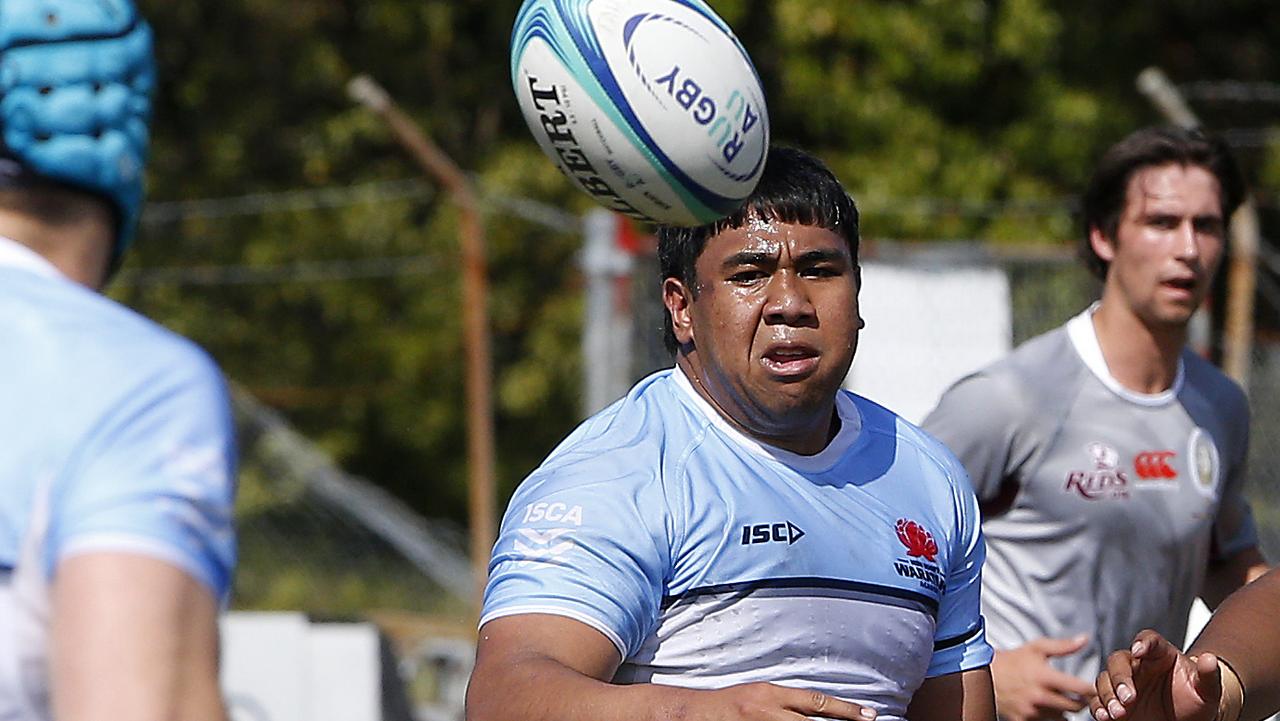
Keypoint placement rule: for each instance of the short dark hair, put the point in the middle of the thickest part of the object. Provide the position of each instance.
(1104, 199)
(795, 187)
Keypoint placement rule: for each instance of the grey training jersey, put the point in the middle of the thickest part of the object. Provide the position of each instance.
(1102, 508)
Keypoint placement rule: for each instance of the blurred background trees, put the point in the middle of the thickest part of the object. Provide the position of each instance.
(291, 237)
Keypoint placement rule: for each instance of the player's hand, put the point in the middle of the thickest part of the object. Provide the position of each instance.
(769, 702)
(1029, 689)
(1153, 681)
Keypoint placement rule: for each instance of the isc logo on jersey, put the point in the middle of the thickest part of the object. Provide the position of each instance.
(780, 532)
(651, 106)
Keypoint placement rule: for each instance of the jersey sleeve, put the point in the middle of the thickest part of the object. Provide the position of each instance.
(157, 476)
(980, 420)
(582, 547)
(1233, 527)
(960, 642)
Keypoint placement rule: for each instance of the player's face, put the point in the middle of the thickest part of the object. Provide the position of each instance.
(773, 323)
(1168, 243)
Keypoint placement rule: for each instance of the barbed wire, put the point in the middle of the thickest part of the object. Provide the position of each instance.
(1238, 91)
(535, 211)
(925, 206)
(1248, 137)
(310, 271)
(305, 199)
(545, 214)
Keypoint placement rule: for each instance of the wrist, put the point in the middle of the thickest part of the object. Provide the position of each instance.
(1231, 702)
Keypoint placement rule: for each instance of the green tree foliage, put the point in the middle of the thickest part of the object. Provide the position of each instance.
(932, 111)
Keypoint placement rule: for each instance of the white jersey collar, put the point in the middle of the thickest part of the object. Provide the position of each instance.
(850, 430)
(16, 255)
(1085, 339)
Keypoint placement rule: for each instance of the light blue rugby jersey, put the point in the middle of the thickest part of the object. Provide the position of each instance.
(710, 559)
(115, 435)
(121, 429)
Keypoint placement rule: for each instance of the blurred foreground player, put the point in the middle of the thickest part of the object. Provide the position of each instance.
(1230, 673)
(116, 443)
(738, 538)
(1109, 459)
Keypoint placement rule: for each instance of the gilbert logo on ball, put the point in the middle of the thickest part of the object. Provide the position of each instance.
(651, 106)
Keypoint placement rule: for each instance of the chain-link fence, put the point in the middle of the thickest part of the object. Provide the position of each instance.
(316, 539)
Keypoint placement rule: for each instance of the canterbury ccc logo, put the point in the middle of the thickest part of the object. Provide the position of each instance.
(918, 541)
(1154, 465)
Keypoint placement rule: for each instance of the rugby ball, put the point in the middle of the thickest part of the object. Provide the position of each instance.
(650, 106)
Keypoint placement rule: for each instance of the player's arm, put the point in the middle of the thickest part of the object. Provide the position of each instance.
(1153, 681)
(1226, 577)
(1244, 633)
(141, 548)
(962, 696)
(132, 637)
(539, 667)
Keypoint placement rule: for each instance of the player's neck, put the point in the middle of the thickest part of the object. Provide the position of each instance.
(81, 251)
(1142, 358)
(804, 439)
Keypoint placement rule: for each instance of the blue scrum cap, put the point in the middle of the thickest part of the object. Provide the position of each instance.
(75, 98)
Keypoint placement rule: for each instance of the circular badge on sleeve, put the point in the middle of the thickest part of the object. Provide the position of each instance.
(1204, 462)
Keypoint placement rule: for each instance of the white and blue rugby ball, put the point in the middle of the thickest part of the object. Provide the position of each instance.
(651, 106)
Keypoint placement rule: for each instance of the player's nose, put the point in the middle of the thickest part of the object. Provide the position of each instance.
(788, 302)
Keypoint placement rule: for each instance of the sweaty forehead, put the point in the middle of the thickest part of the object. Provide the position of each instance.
(1173, 188)
(771, 236)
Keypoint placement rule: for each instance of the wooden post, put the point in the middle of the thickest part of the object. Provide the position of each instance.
(479, 371)
(1242, 280)
(1242, 270)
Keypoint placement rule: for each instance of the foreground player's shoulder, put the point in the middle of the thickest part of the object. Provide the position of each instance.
(629, 451)
(152, 348)
(109, 367)
(925, 477)
(154, 463)
(125, 344)
(933, 460)
(589, 534)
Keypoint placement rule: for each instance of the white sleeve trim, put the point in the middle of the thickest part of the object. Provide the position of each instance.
(595, 623)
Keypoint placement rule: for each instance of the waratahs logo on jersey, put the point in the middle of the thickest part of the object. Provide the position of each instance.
(919, 542)
(922, 552)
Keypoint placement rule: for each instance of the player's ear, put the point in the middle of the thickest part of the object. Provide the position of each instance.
(1103, 247)
(678, 298)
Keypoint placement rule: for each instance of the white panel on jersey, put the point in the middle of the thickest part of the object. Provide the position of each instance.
(927, 327)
